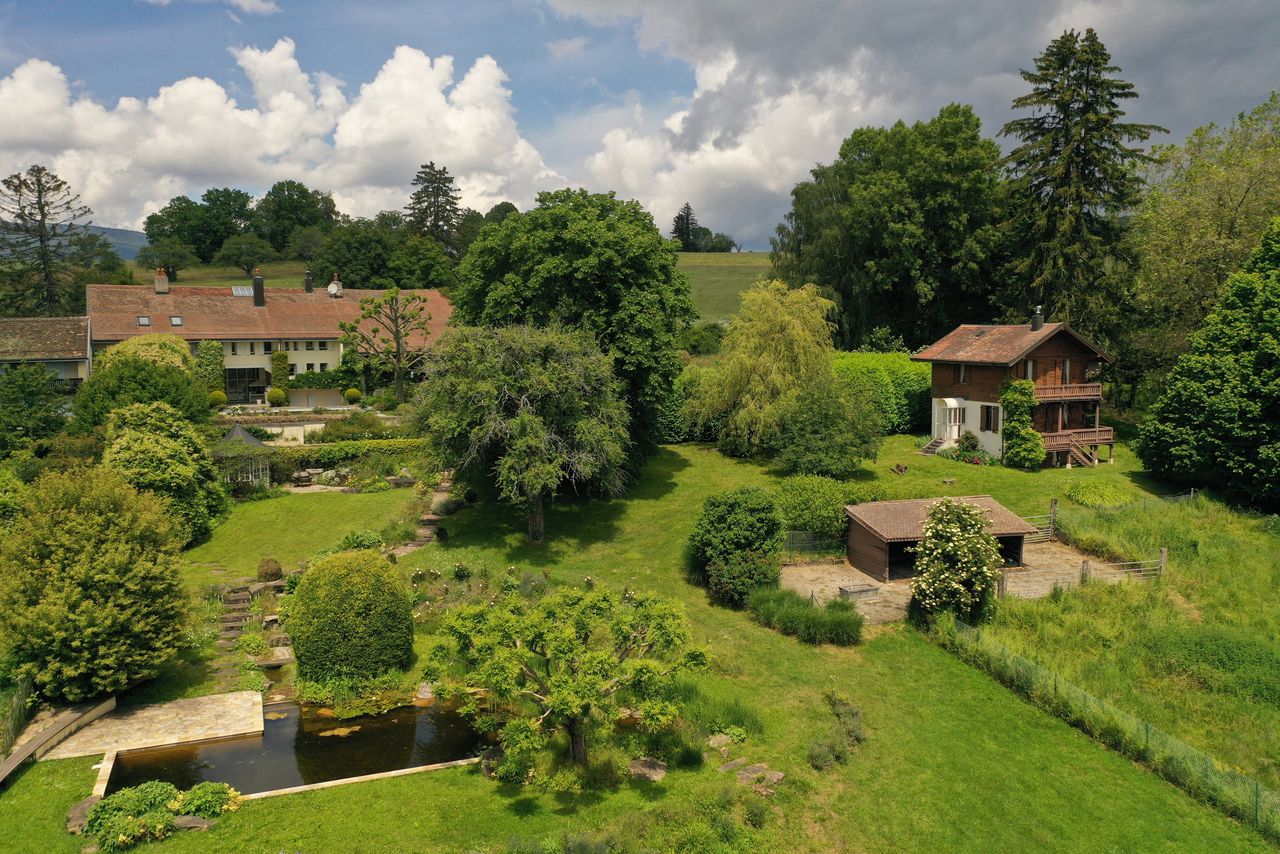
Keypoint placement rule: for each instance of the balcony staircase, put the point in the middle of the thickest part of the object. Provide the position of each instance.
(932, 448)
(1081, 454)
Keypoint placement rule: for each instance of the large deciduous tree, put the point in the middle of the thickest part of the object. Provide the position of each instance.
(245, 252)
(591, 261)
(288, 206)
(1073, 175)
(222, 212)
(90, 601)
(31, 407)
(900, 230)
(434, 209)
(1207, 206)
(169, 254)
(40, 217)
(567, 662)
(777, 345)
(1218, 421)
(391, 334)
(360, 252)
(534, 410)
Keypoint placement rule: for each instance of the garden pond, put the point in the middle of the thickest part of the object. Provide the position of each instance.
(298, 747)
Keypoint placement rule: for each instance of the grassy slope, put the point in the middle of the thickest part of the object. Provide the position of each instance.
(278, 274)
(718, 277)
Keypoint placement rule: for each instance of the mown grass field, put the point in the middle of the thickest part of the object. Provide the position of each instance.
(277, 274)
(953, 761)
(717, 278)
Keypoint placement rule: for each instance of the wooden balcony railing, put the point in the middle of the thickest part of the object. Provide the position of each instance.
(1075, 391)
(1088, 436)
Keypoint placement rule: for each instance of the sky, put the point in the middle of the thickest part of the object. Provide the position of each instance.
(725, 104)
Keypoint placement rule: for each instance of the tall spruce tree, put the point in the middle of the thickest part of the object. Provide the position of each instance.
(434, 209)
(685, 229)
(40, 219)
(1073, 176)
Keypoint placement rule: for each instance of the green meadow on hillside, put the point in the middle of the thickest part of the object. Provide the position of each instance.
(717, 278)
(934, 724)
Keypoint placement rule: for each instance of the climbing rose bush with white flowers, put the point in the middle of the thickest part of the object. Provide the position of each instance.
(957, 562)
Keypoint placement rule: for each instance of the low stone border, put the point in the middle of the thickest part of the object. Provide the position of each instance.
(104, 775)
(328, 784)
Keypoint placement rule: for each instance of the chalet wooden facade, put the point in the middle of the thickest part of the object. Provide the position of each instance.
(971, 363)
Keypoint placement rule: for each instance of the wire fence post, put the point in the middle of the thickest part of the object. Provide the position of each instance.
(1053, 518)
(1003, 585)
(1084, 572)
(1164, 560)
(1257, 804)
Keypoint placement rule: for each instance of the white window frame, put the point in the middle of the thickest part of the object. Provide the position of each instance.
(175, 320)
(144, 320)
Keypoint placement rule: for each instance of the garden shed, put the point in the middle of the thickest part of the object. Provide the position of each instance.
(882, 534)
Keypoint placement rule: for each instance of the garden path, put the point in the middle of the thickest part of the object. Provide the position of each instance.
(176, 722)
(428, 524)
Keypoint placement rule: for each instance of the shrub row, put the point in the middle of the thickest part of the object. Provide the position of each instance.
(901, 387)
(146, 812)
(838, 622)
(286, 461)
(816, 504)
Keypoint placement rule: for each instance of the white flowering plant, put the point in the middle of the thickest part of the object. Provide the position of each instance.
(957, 562)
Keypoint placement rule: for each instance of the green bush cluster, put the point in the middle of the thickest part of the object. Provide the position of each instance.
(269, 569)
(977, 457)
(277, 396)
(838, 622)
(145, 813)
(353, 396)
(217, 399)
(731, 580)
(1095, 493)
(357, 426)
(361, 539)
(210, 366)
(743, 521)
(902, 387)
(350, 618)
(815, 503)
(702, 339)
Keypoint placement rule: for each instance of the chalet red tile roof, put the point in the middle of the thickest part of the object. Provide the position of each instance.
(43, 338)
(217, 313)
(995, 345)
(903, 521)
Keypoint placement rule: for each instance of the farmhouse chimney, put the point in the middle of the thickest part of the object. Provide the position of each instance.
(1037, 320)
(162, 281)
(259, 288)
(307, 284)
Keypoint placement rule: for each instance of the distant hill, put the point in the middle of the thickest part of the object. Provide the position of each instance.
(126, 242)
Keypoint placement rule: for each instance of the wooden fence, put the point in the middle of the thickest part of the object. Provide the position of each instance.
(1046, 525)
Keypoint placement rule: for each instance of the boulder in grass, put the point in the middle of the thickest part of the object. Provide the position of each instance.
(79, 814)
(647, 768)
(192, 822)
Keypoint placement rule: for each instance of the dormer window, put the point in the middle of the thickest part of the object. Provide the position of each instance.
(144, 320)
(175, 320)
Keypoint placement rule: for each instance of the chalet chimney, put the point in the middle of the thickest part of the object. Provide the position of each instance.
(162, 281)
(1037, 320)
(307, 284)
(259, 288)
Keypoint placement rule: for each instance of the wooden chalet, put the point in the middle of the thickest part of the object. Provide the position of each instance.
(971, 363)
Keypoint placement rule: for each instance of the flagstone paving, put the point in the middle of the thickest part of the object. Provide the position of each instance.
(176, 722)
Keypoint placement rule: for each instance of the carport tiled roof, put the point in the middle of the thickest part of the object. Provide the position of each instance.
(43, 339)
(903, 521)
(995, 345)
(219, 314)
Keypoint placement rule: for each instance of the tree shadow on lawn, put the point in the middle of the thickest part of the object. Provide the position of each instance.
(572, 522)
(189, 670)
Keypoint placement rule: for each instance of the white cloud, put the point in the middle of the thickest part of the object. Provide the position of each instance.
(255, 7)
(567, 48)
(130, 158)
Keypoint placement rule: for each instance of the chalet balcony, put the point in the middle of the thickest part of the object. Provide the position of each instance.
(1063, 440)
(1074, 391)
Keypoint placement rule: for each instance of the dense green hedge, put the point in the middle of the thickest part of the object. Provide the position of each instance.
(901, 385)
(286, 461)
(351, 618)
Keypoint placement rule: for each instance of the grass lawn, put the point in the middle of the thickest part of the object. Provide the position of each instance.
(278, 274)
(953, 761)
(290, 529)
(717, 278)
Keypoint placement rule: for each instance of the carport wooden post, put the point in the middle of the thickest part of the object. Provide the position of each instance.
(1053, 518)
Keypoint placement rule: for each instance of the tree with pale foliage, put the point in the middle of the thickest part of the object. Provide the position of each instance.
(778, 345)
(40, 221)
(565, 663)
(391, 334)
(159, 348)
(534, 410)
(957, 562)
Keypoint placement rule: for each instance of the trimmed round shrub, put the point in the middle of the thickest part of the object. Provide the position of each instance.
(351, 618)
(269, 569)
(735, 523)
(733, 579)
(1092, 493)
(217, 399)
(277, 396)
(353, 396)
